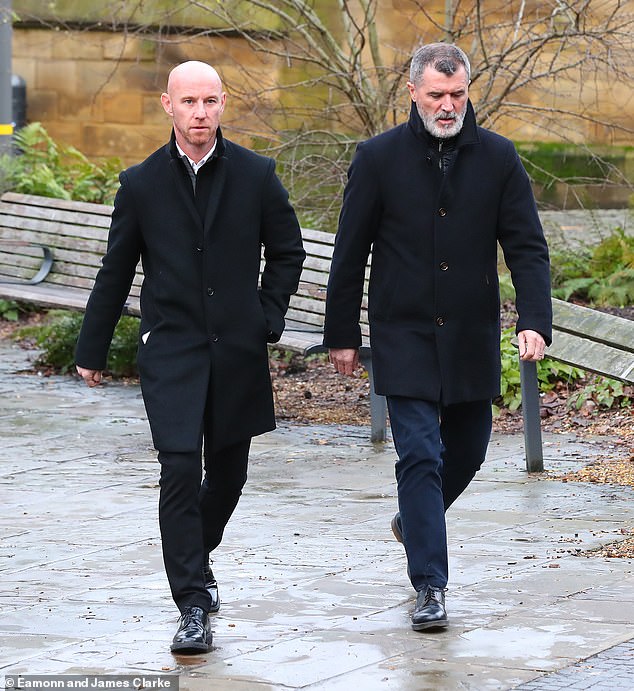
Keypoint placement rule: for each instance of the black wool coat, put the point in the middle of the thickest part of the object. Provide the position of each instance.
(205, 319)
(433, 301)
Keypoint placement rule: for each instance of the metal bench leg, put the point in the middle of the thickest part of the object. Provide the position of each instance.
(530, 413)
(378, 406)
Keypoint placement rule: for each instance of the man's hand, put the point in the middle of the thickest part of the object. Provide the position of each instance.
(92, 377)
(531, 345)
(345, 360)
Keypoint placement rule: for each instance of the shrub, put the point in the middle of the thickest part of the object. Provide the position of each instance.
(601, 276)
(604, 393)
(44, 167)
(549, 373)
(58, 336)
(9, 310)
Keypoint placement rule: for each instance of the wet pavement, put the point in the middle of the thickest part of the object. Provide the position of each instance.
(314, 589)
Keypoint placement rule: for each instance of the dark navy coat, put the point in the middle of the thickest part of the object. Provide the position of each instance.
(204, 316)
(434, 306)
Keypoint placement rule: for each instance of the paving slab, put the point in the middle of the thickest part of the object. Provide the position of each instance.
(314, 587)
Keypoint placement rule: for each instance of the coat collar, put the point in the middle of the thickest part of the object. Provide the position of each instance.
(184, 185)
(219, 151)
(467, 135)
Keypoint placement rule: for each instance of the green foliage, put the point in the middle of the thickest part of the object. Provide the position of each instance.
(123, 348)
(58, 336)
(507, 290)
(614, 252)
(601, 276)
(549, 373)
(9, 310)
(604, 393)
(45, 168)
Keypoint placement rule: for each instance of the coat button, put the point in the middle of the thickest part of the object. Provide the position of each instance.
(443, 266)
(199, 249)
(442, 212)
(215, 338)
(440, 321)
(210, 291)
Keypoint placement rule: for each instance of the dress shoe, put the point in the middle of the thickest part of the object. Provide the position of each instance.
(194, 633)
(430, 612)
(396, 528)
(212, 588)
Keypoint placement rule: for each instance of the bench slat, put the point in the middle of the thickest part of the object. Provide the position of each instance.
(32, 200)
(299, 342)
(317, 250)
(592, 324)
(593, 356)
(321, 236)
(53, 232)
(57, 221)
(47, 295)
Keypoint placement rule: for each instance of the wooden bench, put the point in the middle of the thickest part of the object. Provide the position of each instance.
(73, 237)
(585, 338)
(51, 249)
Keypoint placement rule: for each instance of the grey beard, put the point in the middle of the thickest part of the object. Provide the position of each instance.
(429, 121)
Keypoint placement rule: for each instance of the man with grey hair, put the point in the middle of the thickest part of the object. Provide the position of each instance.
(431, 199)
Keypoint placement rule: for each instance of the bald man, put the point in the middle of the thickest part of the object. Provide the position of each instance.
(199, 212)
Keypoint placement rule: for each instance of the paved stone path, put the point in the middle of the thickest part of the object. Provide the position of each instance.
(315, 594)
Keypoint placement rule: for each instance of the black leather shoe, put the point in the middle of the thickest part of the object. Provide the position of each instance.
(430, 612)
(212, 588)
(396, 528)
(194, 633)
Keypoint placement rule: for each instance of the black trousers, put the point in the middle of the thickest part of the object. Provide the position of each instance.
(193, 512)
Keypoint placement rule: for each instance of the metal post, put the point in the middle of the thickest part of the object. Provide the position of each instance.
(378, 404)
(532, 421)
(6, 97)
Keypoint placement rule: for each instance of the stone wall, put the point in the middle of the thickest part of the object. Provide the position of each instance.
(100, 91)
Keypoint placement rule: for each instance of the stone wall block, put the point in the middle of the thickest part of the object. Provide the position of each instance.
(123, 107)
(59, 75)
(128, 47)
(66, 133)
(41, 106)
(74, 45)
(76, 107)
(34, 44)
(129, 144)
(153, 113)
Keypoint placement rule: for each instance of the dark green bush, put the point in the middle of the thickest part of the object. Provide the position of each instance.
(9, 310)
(603, 275)
(549, 373)
(58, 336)
(46, 168)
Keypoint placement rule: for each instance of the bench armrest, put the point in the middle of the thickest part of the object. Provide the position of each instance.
(45, 266)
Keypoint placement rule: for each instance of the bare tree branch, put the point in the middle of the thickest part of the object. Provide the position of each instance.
(333, 75)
